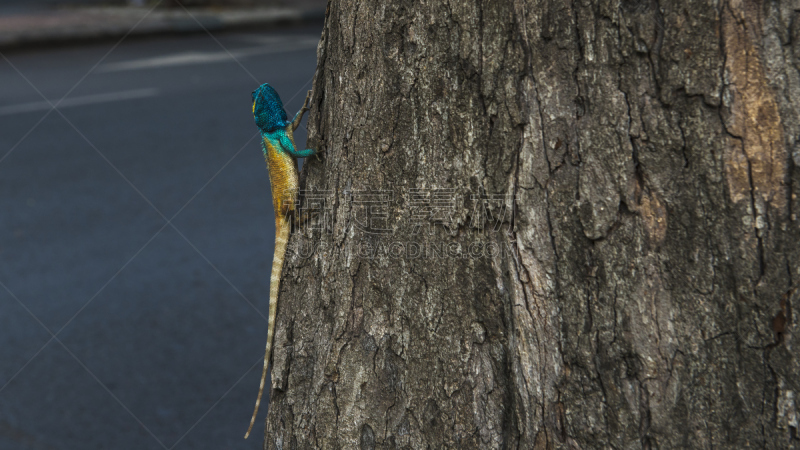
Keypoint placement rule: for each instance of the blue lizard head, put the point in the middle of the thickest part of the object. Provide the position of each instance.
(268, 109)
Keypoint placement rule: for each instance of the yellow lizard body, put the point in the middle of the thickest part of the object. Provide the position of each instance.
(277, 138)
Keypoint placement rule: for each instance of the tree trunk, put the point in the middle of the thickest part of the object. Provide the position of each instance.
(543, 224)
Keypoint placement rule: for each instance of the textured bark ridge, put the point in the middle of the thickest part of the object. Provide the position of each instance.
(628, 173)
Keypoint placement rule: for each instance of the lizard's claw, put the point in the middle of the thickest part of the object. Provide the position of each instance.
(320, 150)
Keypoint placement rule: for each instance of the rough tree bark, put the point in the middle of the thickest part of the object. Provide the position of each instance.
(647, 154)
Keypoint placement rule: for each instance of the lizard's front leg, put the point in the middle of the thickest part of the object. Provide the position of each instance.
(299, 116)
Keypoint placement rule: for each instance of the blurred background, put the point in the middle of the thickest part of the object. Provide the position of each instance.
(165, 3)
(136, 229)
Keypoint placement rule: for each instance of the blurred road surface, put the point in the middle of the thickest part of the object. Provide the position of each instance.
(137, 229)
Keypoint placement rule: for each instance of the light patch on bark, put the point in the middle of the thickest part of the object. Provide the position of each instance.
(751, 114)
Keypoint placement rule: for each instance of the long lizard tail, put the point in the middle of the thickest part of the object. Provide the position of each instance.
(281, 239)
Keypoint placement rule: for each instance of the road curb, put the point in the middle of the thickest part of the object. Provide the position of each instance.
(91, 24)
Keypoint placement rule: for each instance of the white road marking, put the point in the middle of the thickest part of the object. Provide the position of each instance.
(188, 58)
(79, 101)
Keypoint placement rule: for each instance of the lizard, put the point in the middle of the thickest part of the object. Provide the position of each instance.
(280, 153)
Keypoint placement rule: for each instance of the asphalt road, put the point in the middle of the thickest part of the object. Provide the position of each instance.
(136, 238)
(28, 5)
